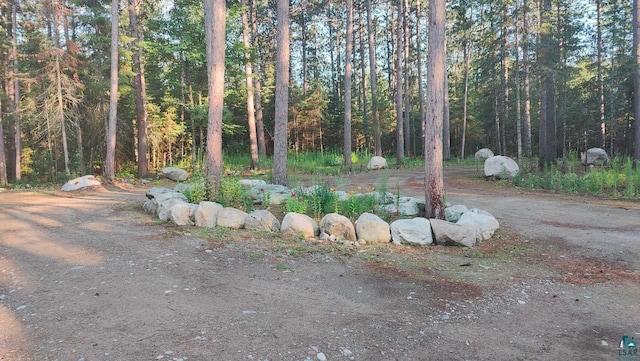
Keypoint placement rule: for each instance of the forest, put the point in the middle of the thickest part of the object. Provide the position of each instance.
(525, 78)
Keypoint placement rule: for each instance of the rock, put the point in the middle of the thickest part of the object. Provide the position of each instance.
(276, 194)
(500, 166)
(252, 182)
(339, 226)
(181, 187)
(594, 156)
(161, 194)
(231, 217)
(299, 224)
(342, 195)
(452, 214)
(175, 174)
(452, 234)
(380, 197)
(484, 153)
(181, 213)
(372, 228)
(164, 207)
(80, 183)
(377, 163)
(481, 211)
(409, 206)
(150, 206)
(262, 219)
(206, 215)
(484, 225)
(416, 231)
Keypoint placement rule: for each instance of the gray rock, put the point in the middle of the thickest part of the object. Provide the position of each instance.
(416, 231)
(181, 187)
(161, 194)
(231, 217)
(339, 226)
(276, 194)
(181, 213)
(262, 219)
(452, 214)
(481, 211)
(501, 166)
(484, 225)
(175, 174)
(342, 195)
(594, 156)
(484, 153)
(206, 215)
(80, 183)
(164, 207)
(409, 206)
(252, 182)
(372, 228)
(299, 224)
(377, 163)
(150, 206)
(452, 234)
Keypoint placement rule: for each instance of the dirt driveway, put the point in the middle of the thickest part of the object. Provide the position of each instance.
(88, 276)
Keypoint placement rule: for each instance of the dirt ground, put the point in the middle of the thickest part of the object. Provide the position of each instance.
(88, 276)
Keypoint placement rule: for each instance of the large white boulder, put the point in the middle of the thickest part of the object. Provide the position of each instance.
(338, 226)
(452, 234)
(262, 219)
(501, 166)
(80, 183)
(175, 174)
(299, 224)
(181, 213)
(377, 163)
(594, 156)
(206, 215)
(452, 214)
(484, 225)
(484, 153)
(274, 193)
(372, 228)
(416, 231)
(161, 194)
(231, 218)
(164, 207)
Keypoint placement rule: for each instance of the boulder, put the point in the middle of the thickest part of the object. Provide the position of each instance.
(372, 228)
(150, 206)
(339, 226)
(480, 211)
(501, 166)
(484, 225)
(299, 224)
(80, 183)
(594, 156)
(231, 217)
(175, 174)
(377, 163)
(161, 194)
(181, 214)
(452, 234)
(164, 207)
(416, 231)
(262, 219)
(342, 195)
(380, 197)
(409, 206)
(452, 214)
(484, 154)
(276, 194)
(252, 182)
(206, 215)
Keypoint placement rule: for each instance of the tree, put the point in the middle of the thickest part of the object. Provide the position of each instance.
(110, 162)
(434, 185)
(251, 114)
(215, 28)
(282, 94)
(636, 76)
(377, 138)
(399, 87)
(547, 140)
(3, 153)
(347, 86)
(140, 87)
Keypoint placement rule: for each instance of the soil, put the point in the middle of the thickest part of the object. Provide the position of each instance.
(89, 276)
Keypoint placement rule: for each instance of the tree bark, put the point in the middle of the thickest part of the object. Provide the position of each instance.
(406, 81)
(599, 60)
(110, 162)
(347, 85)
(248, 72)
(215, 38)
(547, 140)
(377, 137)
(3, 153)
(282, 94)
(526, 81)
(419, 65)
(139, 82)
(17, 115)
(434, 185)
(636, 76)
(262, 147)
(399, 86)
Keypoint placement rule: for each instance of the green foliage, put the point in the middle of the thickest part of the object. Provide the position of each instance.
(355, 205)
(195, 191)
(296, 205)
(232, 194)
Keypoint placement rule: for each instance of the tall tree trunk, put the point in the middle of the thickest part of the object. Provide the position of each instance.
(526, 81)
(465, 96)
(363, 76)
(248, 72)
(215, 33)
(262, 146)
(17, 115)
(636, 77)
(434, 185)
(377, 138)
(282, 94)
(139, 82)
(517, 86)
(407, 91)
(547, 142)
(110, 163)
(63, 128)
(3, 152)
(505, 82)
(347, 85)
(603, 129)
(419, 64)
(399, 86)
